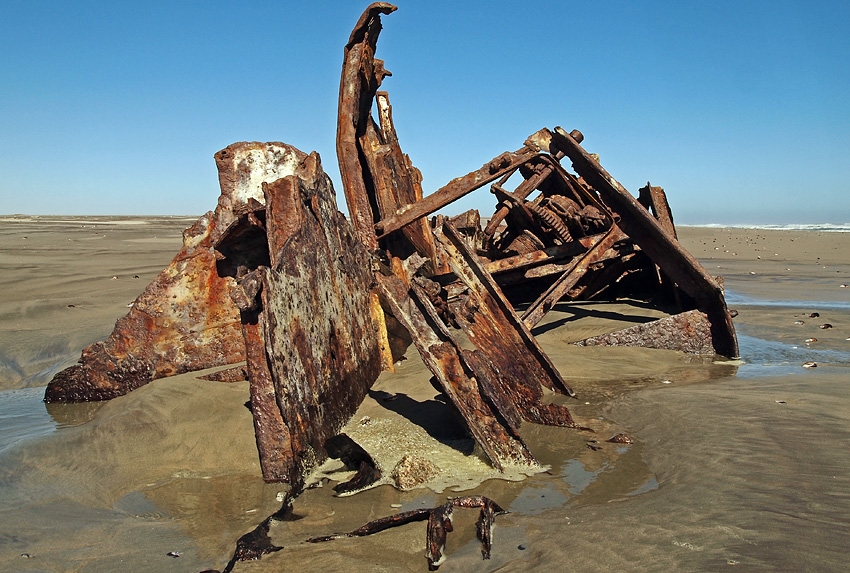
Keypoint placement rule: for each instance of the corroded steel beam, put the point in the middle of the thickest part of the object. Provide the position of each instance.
(274, 442)
(270, 430)
(571, 276)
(655, 199)
(662, 248)
(518, 367)
(454, 190)
(498, 438)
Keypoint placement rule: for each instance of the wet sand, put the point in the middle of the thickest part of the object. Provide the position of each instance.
(65, 282)
(740, 465)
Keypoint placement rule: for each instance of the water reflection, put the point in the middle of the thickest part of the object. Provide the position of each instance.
(70, 415)
(578, 477)
(23, 416)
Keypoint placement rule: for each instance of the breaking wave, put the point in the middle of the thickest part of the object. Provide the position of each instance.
(825, 227)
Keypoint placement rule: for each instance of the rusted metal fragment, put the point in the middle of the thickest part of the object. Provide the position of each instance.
(378, 525)
(499, 441)
(229, 375)
(256, 543)
(538, 309)
(321, 341)
(661, 247)
(184, 320)
(361, 77)
(274, 440)
(687, 332)
(439, 525)
(355, 458)
(654, 199)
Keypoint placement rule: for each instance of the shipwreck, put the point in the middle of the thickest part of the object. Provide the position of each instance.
(317, 305)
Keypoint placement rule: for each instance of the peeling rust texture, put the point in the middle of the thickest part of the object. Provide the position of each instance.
(322, 344)
(184, 320)
(687, 332)
(498, 438)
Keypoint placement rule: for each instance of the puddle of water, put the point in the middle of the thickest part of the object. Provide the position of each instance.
(770, 358)
(578, 477)
(23, 416)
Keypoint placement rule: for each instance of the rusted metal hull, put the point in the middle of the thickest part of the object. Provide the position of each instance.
(322, 344)
(313, 343)
(184, 320)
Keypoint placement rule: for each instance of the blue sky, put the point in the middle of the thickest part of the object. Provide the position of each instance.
(738, 109)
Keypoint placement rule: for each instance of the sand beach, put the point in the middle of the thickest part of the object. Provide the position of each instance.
(739, 465)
